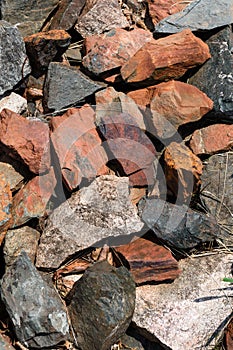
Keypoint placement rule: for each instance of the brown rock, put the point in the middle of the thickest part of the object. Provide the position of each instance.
(113, 49)
(159, 9)
(212, 139)
(149, 262)
(5, 206)
(182, 170)
(166, 58)
(31, 200)
(136, 193)
(142, 97)
(12, 176)
(25, 140)
(78, 146)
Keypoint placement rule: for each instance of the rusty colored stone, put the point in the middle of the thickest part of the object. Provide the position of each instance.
(149, 262)
(159, 9)
(166, 58)
(5, 206)
(142, 97)
(25, 140)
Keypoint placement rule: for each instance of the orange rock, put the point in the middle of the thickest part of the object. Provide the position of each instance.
(166, 58)
(142, 97)
(5, 206)
(159, 9)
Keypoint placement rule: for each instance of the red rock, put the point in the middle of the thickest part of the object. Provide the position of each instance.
(25, 140)
(113, 49)
(78, 146)
(142, 97)
(182, 170)
(229, 336)
(149, 262)
(5, 206)
(31, 200)
(212, 139)
(166, 58)
(159, 9)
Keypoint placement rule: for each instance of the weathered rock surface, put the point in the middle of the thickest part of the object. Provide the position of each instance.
(5, 206)
(159, 9)
(190, 313)
(165, 58)
(102, 306)
(142, 97)
(14, 102)
(66, 85)
(149, 262)
(179, 225)
(4, 344)
(215, 76)
(25, 140)
(198, 15)
(103, 16)
(13, 177)
(24, 238)
(100, 211)
(36, 311)
(13, 61)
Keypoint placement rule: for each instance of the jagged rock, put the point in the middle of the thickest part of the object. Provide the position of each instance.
(198, 15)
(159, 9)
(179, 225)
(102, 306)
(36, 311)
(4, 344)
(103, 16)
(14, 102)
(13, 61)
(165, 58)
(5, 206)
(95, 213)
(13, 177)
(66, 85)
(190, 313)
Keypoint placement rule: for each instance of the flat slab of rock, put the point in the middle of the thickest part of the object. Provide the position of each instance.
(95, 213)
(14, 102)
(190, 313)
(165, 58)
(36, 311)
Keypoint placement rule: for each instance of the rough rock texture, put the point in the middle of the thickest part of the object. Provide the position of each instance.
(102, 17)
(215, 76)
(31, 200)
(97, 212)
(4, 344)
(66, 85)
(179, 225)
(5, 206)
(143, 96)
(159, 9)
(198, 15)
(149, 262)
(13, 60)
(25, 140)
(166, 58)
(13, 177)
(36, 311)
(24, 238)
(212, 139)
(112, 49)
(14, 102)
(78, 146)
(182, 171)
(190, 313)
(102, 306)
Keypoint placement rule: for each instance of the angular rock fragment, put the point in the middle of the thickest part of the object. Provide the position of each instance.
(13, 177)
(13, 60)
(190, 313)
(14, 102)
(199, 15)
(160, 9)
(66, 85)
(95, 213)
(179, 225)
(25, 140)
(165, 58)
(103, 16)
(102, 306)
(36, 311)
(149, 262)
(5, 206)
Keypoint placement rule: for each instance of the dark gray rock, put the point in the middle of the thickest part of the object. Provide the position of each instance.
(66, 85)
(102, 306)
(215, 77)
(36, 311)
(198, 15)
(13, 59)
(180, 226)
(4, 345)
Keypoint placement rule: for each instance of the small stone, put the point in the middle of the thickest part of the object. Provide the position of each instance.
(13, 177)
(165, 58)
(160, 9)
(149, 262)
(5, 206)
(102, 306)
(14, 102)
(36, 311)
(103, 16)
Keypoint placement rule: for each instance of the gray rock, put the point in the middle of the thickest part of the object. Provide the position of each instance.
(36, 311)
(190, 313)
(215, 77)
(14, 102)
(4, 345)
(98, 212)
(66, 85)
(102, 306)
(14, 178)
(198, 15)
(13, 59)
(179, 225)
